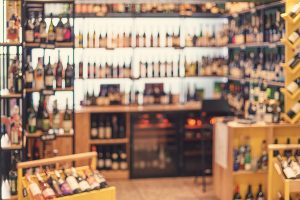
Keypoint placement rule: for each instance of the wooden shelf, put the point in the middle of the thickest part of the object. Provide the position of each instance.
(50, 90)
(56, 45)
(248, 80)
(109, 141)
(245, 172)
(38, 134)
(11, 95)
(10, 44)
(136, 108)
(255, 44)
(13, 147)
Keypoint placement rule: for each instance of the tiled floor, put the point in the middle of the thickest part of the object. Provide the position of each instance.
(162, 189)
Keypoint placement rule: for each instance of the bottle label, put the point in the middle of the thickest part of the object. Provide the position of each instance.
(34, 189)
(72, 183)
(32, 121)
(67, 124)
(46, 124)
(94, 132)
(56, 121)
(123, 165)
(108, 163)
(115, 165)
(48, 192)
(296, 108)
(292, 87)
(293, 37)
(59, 34)
(84, 185)
(101, 163)
(51, 37)
(29, 77)
(49, 80)
(289, 172)
(108, 132)
(13, 185)
(29, 35)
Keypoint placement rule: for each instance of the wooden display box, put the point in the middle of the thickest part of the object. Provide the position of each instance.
(225, 178)
(103, 194)
(277, 180)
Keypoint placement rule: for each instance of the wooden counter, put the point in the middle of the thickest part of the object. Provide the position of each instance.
(138, 108)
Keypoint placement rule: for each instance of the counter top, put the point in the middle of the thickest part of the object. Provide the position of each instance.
(235, 124)
(137, 108)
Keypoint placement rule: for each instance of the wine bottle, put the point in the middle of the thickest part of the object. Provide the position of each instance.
(59, 72)
(72, 182)
(31, 118)
(12, 177)
(67, 30)
(294, 36)
(55, 118)
(237, 195)
(101, 128)
(53, 183)
(43, 32)
(100, 179)
(34, 189)
(293, 86)
(69, 77)
(295, 10)
(123, 159)
(287, 170)
(47, 191)
(29, 33)
(108, 160)
(249, 195)
(36, 29)
(64, 186)
(67, 123)
(108, 131)
(275, 152)
(115, 159)
(101, 162)
(51, 32)
(39, 74)
(83, 184)
(294, 61)
(59, 29)
(46, 118)
(260, 194)
(288, 152)
(28, 74)
(81, 69)
(91, 180)
(18, 80)
(35, 150)
(94, 128)
(294, 110)
(39, 115)
(49, 76)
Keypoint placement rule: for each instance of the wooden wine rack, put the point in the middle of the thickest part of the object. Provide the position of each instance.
(103, 194)
(276, 178)
(291, 25)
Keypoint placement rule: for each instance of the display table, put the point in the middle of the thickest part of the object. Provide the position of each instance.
(229, 136)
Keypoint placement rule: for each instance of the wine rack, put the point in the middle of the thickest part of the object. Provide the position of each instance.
(276, 178)
(291, 24)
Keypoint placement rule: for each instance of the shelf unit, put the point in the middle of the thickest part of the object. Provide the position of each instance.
(276, 178)
(290, 74)
(225, 178)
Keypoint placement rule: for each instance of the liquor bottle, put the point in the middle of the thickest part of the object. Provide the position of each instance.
(288, 152)
(28, 74)
(34, 189)
(59, 30)
(260, 194)
(72, 182)
(39, 115)
(49, 76)
(39, 74)
(51, 32)
(29, 33)
(64, 186)
(47, 191)
(101, 161)
(53, 183)
(108, 160)
(123, 159)
(94, 128)
(18, 80)
(36, 28)
(43, 32)
(249, 195)
(83, 184)
(59, 72)
(67, 123)
(294, 110)
(237, 195)
(287, 170)
(12, 177)
(293, 86)
(46, 118)
(108, 131)
(101, 129)
(67, 30)
(115, 165)
(31, 118)
(55, 118)
(69, 77)
(91, 180)
(294, 36)
(295, 10)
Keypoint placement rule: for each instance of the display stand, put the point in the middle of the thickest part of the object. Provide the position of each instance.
(103, 194)
(225, 178)
(276, 178)
(291, 25)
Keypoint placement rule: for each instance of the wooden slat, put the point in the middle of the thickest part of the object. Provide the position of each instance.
(110, 141)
